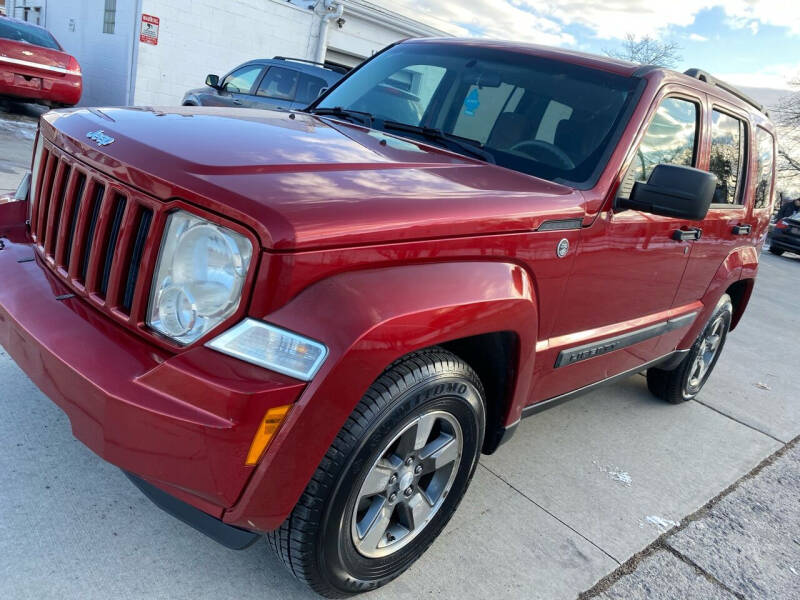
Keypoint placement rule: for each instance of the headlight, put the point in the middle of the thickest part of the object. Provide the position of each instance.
(273, 348)
(199, 277)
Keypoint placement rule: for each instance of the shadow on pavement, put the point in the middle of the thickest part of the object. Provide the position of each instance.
(12, 110)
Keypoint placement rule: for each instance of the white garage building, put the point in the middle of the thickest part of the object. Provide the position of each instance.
(149, 52)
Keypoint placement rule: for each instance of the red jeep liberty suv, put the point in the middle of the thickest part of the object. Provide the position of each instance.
(310, 324)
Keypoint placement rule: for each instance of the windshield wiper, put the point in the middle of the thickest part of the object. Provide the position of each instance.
(473, 147)
(362, 117)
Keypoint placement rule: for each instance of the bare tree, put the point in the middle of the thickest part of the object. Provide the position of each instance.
(787, 119)
(647, 50)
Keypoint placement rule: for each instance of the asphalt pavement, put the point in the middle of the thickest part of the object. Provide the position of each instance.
(612, 495)
(17, 131)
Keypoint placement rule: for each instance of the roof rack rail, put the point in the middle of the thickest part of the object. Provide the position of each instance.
(336, 68)
(711, 80)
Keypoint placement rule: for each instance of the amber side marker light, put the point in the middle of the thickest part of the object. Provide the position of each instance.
(266, 430)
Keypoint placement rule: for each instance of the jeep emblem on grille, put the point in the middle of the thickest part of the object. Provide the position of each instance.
(100, 137)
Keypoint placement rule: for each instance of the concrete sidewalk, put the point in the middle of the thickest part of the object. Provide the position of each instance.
(580, 490)
(743, 544)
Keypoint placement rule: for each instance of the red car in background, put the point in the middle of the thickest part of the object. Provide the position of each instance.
(34, 66)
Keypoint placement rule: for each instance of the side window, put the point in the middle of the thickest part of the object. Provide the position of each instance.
(308, 88)
(279, 83)
(671, 138)
(242, 80)
(728, 135)
(764, 168)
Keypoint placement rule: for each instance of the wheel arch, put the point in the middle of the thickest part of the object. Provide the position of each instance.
(735, 268)
(740, 292)
(494, 357)
(371, 318)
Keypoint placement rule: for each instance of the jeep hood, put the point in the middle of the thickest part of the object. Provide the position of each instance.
(302, 182)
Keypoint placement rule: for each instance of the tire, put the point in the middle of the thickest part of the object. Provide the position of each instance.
(686, 380)
(776, 251)
(327, 542)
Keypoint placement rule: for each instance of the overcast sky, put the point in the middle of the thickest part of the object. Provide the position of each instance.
(753, 43)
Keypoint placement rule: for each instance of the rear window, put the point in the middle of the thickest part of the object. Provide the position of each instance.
(22, 32)
(764, 168)
(308, 88)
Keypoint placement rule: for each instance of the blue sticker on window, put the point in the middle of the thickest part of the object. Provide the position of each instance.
(471, 103)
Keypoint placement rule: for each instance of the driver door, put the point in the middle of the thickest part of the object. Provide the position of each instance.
(237, 87)
(628, 266)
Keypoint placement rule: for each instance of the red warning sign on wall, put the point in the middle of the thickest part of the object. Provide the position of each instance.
(149, 31)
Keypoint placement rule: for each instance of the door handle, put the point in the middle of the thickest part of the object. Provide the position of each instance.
(742, 229)
(237, 101)
(683, 235)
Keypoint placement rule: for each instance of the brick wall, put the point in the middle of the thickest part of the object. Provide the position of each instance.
(213, 36)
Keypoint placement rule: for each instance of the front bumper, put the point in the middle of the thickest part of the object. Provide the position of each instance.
(182, 422)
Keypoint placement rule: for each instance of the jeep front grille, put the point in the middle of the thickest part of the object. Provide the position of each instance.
(96, 235)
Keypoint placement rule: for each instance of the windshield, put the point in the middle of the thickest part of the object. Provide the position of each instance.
(543, 117)
(22, 32)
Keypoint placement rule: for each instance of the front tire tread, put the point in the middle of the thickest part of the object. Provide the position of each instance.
(295, 540)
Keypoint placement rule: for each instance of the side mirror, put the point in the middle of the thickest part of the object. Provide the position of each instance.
(212, 81)
(322, 91)
(674, 191)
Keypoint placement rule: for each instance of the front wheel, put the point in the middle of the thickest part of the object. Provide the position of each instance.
(391, 480)
(686, 380)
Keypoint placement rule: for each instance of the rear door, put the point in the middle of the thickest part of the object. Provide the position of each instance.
(277, 89)
(727, 224)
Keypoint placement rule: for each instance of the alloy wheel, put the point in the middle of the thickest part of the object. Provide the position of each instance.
(709, 347)
(407, 484)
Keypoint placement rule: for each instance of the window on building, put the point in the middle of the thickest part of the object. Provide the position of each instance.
(764, 168)
(110, 16)
(241, 80)
(279, 83)
(671, 138)
(728, 136)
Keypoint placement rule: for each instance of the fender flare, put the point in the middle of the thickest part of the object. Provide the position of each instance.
(368, 319)
(728, 273)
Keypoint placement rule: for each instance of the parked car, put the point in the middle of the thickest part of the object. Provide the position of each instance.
(34, 66)
(266, 83)
(311, 328)
(785, 235)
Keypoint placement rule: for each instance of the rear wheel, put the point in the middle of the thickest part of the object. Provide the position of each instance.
(686, 380)
(391, 480)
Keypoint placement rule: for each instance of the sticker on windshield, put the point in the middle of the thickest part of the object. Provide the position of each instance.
(471, 103)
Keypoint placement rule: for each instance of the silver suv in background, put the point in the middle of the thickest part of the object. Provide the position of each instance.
(278, 82)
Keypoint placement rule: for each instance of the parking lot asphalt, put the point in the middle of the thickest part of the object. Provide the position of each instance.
(17, 131)
(577, 492)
